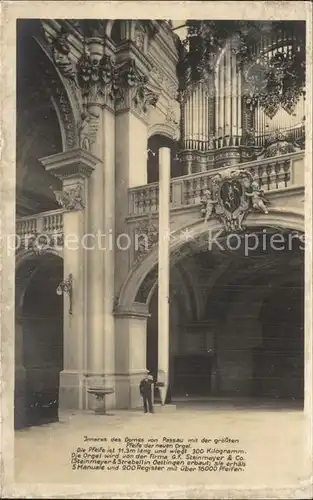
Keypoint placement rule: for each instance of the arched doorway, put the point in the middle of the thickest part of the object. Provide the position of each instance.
(279, 360)
(156, 142)
(247, 339)
(38, 340)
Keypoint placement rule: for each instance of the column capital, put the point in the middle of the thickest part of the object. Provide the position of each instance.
(72, 167)
(73, 164)
(134, 90)
(100, 76)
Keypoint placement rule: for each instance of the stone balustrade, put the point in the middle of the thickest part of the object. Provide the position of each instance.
(43, 223)
(277, 173)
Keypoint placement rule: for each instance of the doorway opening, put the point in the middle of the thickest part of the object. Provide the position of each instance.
(242, 334)
(38, 341)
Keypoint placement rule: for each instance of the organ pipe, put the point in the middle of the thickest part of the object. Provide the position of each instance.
(217, 103)
(200, 130)
(226, 115)
(228, 90)
(222, 94)
(234, 94)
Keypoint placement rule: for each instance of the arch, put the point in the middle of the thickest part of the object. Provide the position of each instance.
(169, 130)
(64, 102)
(155, 143)
(187, 289)
(21, 260)
(37, 364)
(35, 57)
(276, 218)
(24, 255)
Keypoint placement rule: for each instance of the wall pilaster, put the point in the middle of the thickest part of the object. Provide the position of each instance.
(73, 168)
(131, 133)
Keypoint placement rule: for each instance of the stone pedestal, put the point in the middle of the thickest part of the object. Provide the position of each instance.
(100, 394)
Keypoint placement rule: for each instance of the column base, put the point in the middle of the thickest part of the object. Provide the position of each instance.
(127, 390)
(72, 389)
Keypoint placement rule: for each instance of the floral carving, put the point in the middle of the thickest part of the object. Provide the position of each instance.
(71, 198)
(146, 236)
(134, 88)
(275, 82)
(100, 78)
(278, 143)
(54, 89)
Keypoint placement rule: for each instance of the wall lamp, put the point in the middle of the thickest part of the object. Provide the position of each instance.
(66, 286)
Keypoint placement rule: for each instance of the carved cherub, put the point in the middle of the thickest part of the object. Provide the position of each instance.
(61, 55)
(257, 197)
(83, 131)
(208, 204)
(61, 197)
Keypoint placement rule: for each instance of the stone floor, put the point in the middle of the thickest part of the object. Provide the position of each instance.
(275, 439)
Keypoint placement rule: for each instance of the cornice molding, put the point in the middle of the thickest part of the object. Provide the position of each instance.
(72, 163)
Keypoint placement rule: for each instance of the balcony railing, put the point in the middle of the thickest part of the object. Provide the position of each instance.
(42, 223)
(274, 173)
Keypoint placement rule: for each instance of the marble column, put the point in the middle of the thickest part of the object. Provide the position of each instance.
(100, 260)
(164, 272)
(74, 169)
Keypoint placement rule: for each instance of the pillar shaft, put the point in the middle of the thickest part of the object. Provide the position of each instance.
(95, 273)
(131, 336)
(74, 168)
(163, 272)
(100, 258)
(131, 170)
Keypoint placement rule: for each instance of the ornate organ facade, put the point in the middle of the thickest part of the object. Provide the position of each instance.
(241, 92)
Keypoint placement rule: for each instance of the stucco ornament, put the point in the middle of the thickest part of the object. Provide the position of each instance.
(146, 236)
(70, 198)
(230, 198)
